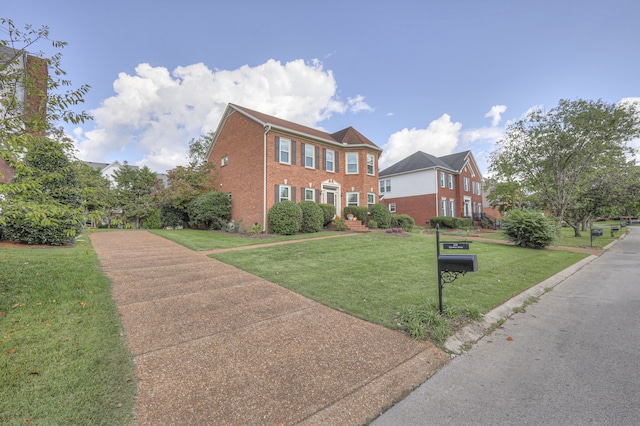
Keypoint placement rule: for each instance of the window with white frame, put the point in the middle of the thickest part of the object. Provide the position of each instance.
(353, 198)
(476, 188)
(371, 170)
(466, 184)
(452, 208)
(224, 161)
(442, 181)
(443, 207)
(309, 194)
(450, 180)
(284, 192)
(329, 160)
(309, 156)
(285, 151)
(352, 162)
(385, 185)
(371, 199)
(392, 207)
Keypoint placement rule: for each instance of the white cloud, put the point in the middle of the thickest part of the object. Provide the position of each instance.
(156, 112)
(495, 113)
(439, 138)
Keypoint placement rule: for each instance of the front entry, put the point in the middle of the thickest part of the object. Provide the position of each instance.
(331, 195)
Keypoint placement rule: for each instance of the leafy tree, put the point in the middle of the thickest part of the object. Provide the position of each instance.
(211, 210)
(134, 193)
(42, 204)
(553, 153)
(186, 183)
(97, 194)
(199, 148)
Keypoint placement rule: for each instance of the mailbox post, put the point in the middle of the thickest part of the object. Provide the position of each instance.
(451, 266)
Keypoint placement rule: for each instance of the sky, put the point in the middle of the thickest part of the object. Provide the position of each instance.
(436, 76)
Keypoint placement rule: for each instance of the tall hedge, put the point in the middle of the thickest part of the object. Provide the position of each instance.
(312, 217)
(285, 218)
(329, 212)
(381, 215)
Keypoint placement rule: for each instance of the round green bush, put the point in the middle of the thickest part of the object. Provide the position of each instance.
(381, 215)
(529, 228)
(312, 217)
(329, 211)
(403, 221)
(285, 218)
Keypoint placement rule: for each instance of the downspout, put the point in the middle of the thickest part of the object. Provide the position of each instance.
(437, 194)
(267, 127)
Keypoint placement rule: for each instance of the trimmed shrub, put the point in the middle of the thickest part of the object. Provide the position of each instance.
(152, 221)
(23, 223)
(173, 217)
(403, 221)
(340, 224)
(451, 222)
(285, 218)
(329, 211)
(381, 215)
(213, 210)
(373, 224)
(312, 217)
(529, 228)
(357, 211)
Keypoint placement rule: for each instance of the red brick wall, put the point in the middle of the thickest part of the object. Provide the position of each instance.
(6, 172)
(420, 207)
(241, 139)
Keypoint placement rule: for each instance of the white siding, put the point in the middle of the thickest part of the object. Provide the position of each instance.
(410, 184)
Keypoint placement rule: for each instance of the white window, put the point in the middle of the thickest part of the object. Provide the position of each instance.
(309, 194)
(466, 184)
(352, 162)
(442, 181)
(329, 161)
(224, 161)
(385, 185)
(353, 198)
(285, 193)
(371, 199)
(476, 188)
(285, 151)
(309, 156)
(450, 176)
(452, 208)
(392, 207)
(443, 207)
(370, 164)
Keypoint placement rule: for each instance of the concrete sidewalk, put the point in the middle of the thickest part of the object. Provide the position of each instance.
(216, 345)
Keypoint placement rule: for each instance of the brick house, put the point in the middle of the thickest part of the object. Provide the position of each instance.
(423, 186)
(261, 160)
(25, 78)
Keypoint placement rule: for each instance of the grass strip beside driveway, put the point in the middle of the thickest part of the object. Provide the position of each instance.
(62, 355)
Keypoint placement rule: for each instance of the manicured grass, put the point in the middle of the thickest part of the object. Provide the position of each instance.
(63, 359)
(208, 240)
(569, 240)
(374, 276)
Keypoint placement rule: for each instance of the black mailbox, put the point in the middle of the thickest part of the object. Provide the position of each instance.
(597, 232)
(458, 262)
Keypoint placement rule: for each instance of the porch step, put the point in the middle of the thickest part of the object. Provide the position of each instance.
(356, 226)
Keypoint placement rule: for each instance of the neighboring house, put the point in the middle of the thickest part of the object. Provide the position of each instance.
(261, 160)
(25, 88)
(108, 170)
(423, 186)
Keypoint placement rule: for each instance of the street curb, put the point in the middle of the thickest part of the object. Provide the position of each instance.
(471, 333)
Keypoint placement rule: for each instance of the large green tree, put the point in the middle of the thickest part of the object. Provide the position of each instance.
(134, 189)
(554, 154)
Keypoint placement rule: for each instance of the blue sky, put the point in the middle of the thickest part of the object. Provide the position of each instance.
(437, 76)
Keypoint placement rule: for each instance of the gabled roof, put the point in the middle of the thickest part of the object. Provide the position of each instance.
(348, 136)
(422, 161)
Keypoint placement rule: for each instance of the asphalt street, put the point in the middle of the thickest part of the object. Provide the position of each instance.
(572, 358)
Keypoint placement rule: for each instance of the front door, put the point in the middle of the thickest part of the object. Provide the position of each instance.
(331, 195)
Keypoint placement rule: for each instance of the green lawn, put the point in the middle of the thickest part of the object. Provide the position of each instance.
(374, 276)
(63, 359)
(569, 240)
(208, 240)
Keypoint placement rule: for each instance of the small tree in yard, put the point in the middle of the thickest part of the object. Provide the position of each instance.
(528, 228)
(285, 218)
(213, 210)
(312, 217)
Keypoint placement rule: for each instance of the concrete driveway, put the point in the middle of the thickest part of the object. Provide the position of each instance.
(216, 345)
